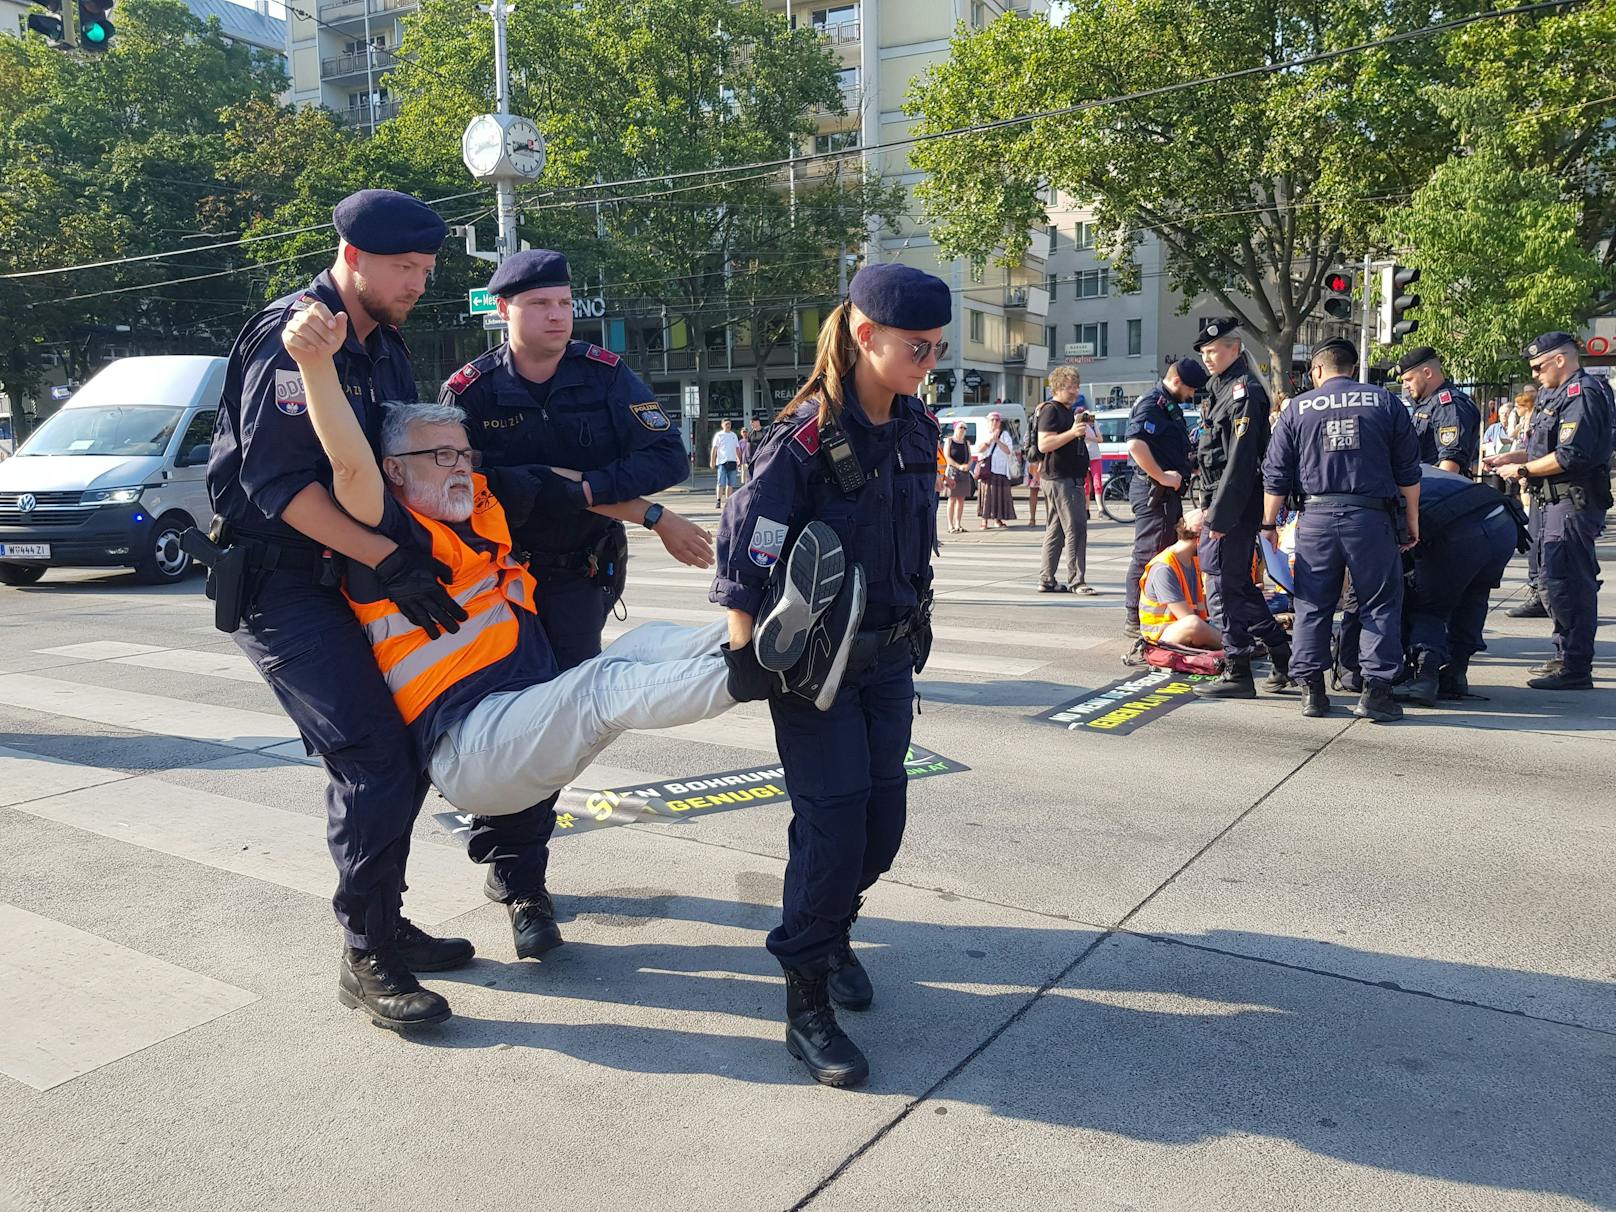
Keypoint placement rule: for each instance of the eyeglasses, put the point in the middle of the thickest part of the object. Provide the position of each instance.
(920, 350)
(447, 456)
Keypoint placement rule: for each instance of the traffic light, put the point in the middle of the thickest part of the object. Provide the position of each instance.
(49, 23)
(95, 27)
(1338, 294)
(83, 24)
(1394, 322)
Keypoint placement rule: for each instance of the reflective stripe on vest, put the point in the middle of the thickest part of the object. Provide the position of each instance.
(492, 586)
(1155, 616)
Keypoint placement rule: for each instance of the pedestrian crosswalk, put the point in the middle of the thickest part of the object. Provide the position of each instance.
(156, 671)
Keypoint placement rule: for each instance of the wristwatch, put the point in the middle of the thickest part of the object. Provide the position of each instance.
(653, 515)
(1268, 526)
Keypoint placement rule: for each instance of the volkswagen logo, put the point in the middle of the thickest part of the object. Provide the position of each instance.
(27, 503)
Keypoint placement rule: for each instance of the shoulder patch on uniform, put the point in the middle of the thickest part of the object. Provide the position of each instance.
(1150, 427)
(650, 415)
(1574, 390)
(464, 377)
(1241, 424)
(1568, 430)
(767, 542)
(1444, 396)
(605, 356)
(289, 395)
(807, 436)
(1447, 435)
(1239, 392)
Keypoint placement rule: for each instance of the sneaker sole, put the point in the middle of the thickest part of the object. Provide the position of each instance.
(814, 572)
(392, 1024)
(826, 1077)
(838, 666)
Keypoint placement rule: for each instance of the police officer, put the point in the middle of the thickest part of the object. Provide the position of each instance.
(1233, 439)
(1468, 532)
(855, 450)
(1566, 466)
(1446, 421)
(542, 401)
(270, 484)
(1348, 450)
(1159, 445)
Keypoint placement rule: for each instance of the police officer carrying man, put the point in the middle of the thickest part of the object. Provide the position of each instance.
(543, 401)
(1233, 440)
(1348, 450)
(1159, 444)
(1566, 465)
(1446, 421)
(270, 484)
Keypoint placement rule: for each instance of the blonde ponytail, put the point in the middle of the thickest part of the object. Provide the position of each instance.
(833, 361)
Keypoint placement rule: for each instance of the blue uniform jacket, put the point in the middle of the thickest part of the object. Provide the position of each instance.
(889, 525)
(1157, 420)
(1234, 437)
(1347, 438)
(598, 417)
(1574, 421)
(1448, 426)
(265, 450)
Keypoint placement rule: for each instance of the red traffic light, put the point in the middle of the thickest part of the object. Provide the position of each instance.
(1338, 282)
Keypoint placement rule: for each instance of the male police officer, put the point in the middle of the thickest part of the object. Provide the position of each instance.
(542, 401)
(1348, 450)
(1233, 439)
(1159, 444)
(1566, 465)
(270, 483)
(1446, 421)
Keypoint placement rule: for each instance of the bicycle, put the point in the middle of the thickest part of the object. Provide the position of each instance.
(1114, 499)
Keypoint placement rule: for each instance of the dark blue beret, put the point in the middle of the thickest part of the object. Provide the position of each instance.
(1548, 343)
(1218, 326)
(1418, 356)
(387, 223)
(528, 271)
(1340, 346)
(900, 296)
(1190, 373)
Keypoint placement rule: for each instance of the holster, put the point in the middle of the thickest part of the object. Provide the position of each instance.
(608, 563)
(227, 572)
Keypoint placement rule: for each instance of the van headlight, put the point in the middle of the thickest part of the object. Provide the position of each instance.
(112, 496)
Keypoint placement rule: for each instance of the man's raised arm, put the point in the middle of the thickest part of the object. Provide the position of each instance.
(313, 338)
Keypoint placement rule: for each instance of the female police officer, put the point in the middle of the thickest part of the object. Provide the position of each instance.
(855, 450)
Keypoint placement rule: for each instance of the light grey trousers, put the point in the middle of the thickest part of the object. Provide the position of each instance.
(518, 746)
(1068, 526)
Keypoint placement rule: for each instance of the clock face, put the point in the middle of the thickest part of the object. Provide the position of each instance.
(524, 147)
(481, 145)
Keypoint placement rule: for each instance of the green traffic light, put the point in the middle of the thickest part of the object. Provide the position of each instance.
(95, 33)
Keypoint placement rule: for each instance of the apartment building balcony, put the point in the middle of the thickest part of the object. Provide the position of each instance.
(1028, 300)
(355, 10)
(1027, 357)
(360, 115)
(844, 33)
(1040, 246)
(340, 66)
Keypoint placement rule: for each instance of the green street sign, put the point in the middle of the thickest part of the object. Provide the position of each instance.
(481, 302)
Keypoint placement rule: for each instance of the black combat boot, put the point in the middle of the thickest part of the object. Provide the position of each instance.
(1454, 680)
(1234, 682)
(812, 1035)
(379, 982)
(850, 986)
(1422, 688)
(533, 924)
(423, 953)
(1377, 703)
(1279, 652)
(1315, 702)
(1531, 608)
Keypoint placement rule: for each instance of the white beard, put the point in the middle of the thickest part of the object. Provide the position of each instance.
(450, 503)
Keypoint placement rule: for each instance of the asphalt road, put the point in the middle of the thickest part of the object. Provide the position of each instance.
(1232, 959)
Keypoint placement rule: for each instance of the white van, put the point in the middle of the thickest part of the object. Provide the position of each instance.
(115, 477)
(1113, 424)
(975, 417)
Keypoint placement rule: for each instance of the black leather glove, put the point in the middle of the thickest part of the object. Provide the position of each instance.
(534, 489)
(411, 579)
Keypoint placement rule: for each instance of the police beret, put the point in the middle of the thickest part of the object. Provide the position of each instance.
(1343, 349)
(1190, 373)
(1218, 326)
(387, 223)
(1548, 343)
(1418, 356)
(900, 296)
(528, 271)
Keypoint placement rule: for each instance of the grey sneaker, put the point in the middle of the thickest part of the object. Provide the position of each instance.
(799, 592)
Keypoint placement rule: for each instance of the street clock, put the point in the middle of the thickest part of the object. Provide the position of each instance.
(502, 145)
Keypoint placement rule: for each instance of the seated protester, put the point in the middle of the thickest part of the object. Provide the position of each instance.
(1172, 601)
(497, 726)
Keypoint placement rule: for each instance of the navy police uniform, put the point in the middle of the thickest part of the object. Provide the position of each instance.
(296, 627)
(1447, 422)
(1346, 450)
(1233, 440)
(1573, 421)
(594, 415)
(1157, 420)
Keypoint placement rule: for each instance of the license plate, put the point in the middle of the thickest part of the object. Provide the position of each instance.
(25, 551)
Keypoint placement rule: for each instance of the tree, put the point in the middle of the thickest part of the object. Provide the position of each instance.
(1255, 186)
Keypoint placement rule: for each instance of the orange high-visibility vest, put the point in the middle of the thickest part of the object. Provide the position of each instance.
(1154, 616)
(492, 586)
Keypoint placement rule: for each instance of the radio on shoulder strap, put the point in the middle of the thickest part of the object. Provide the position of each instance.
(845, 469)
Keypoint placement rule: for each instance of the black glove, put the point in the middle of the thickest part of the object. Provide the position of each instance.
(535, 490)
(411, 579)
(746, 680)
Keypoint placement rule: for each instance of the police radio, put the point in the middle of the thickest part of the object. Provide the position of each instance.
(845, 468)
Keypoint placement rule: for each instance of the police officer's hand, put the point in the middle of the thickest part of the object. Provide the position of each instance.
(1413, 535)
(1173, 480)
(314, 334)
(684, 540)
(411, 579)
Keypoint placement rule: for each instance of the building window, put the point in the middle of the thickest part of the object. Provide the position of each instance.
(1136, 338)
(1085, 235)
(977, 326)
(1093, 283)
(1097, 335)
(1050, 281)
(1051, 336)
(822, 18)
(357, 45)
(839, 140)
